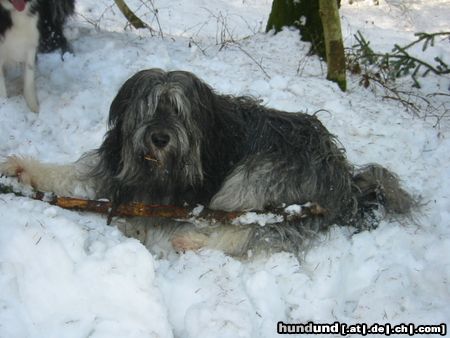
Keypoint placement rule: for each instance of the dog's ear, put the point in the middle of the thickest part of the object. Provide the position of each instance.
(201, 95)
(203, 90)
(119, 105)
(109, 163)
(110, 151)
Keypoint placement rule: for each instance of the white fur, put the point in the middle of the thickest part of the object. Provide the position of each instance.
(19, 45)
(63, 180)
(230, 239)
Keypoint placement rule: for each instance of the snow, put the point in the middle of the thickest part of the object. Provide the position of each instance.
(68, 274)
(255, 218)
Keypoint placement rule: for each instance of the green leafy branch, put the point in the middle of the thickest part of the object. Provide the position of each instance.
(399, 62)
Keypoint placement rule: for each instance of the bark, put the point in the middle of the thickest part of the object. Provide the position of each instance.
(283, 13)
(161, 211)
(128, 13)
(334, 46)
(301, 14)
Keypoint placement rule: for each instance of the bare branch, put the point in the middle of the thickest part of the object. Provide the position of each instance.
(128, 13)
(162, 211)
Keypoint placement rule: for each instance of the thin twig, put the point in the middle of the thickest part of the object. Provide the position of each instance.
(227, 39)
(155, 12)
(258, 63)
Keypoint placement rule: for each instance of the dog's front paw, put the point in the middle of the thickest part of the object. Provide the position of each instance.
(2, 87)
(15, 166)
(34, 106)
(32, 101)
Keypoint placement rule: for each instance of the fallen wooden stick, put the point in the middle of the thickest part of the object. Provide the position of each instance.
(135, 209)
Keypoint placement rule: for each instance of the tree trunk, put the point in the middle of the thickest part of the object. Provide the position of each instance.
(334, 46)
(284, 13)
(301, 14)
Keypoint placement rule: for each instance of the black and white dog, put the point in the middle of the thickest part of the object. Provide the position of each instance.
(173, 140)
(27, 26)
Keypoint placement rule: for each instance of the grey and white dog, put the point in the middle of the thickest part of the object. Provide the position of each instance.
(173, 140)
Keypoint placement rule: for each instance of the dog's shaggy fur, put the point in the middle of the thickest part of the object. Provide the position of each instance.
(27, 26)
(173, 140)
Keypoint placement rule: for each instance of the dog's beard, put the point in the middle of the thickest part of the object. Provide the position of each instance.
(162, 164)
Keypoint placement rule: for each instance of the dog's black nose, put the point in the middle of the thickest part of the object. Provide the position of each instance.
(160, 140)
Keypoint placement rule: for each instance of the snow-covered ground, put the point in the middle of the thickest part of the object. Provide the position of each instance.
(68, 274)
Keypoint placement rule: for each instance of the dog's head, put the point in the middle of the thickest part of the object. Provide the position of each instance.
(156, 126)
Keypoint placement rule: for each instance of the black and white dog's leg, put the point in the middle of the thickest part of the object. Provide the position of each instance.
(245, 188)
(267, 180)
(29, 90)
(2, 80)
(63, 180)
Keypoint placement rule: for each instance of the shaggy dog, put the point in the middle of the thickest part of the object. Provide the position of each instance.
(25, 27)
(173, 140)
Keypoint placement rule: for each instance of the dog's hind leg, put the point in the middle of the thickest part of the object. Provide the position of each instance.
(29, 90)
(268, 180)
(244, 189)
(2, 80)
